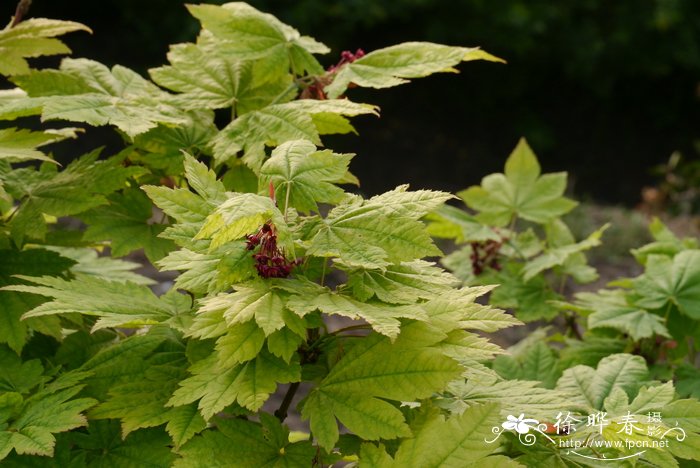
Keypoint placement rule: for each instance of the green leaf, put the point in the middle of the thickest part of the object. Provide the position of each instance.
(259, 300)
(241, 343)
(240, 215)
(248, 443)
(372, 371)
(521, 192)
(103, 446)
(351, 233)
(592, 386)
(559, 255)
(19, 376)
(393, 65)
(211, 272)
(454, 442)
(34, 37)
(249, 384)
(47, 412)
(382, 317)
(87, 91)
(610, 309)
(530, 299)
(303, 177)
(139, 399)
(676, 281)
(275, 124)
(116, 304)
(512, 396)
(17, 145)
(250, 34)
(81, 186)
(452, 223)
(538, 363)
(125, 223)
(165, 144)
(14, 331)
(666, 243)
(110, 269)
(209, 77)
(401, 284)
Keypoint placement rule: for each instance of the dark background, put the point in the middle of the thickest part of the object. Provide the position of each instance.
(604, 89)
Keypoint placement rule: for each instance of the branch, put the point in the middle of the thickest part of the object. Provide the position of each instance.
(281, 412)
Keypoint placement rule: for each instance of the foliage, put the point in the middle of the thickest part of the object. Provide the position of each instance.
(285, 277)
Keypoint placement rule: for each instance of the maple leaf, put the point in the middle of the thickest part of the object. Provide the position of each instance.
(115, 304)
(125, 223)
(209, 77)
(250, 444)
(249, 384)
(303, 177)
(17, 145)
(393, 65)
(351, 233)
(83, 90)
(34, 37)
(251, 34)
(520, 191)
(372, 371)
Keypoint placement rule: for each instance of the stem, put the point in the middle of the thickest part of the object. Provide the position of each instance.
(562, 284)
(353, 327)
(511, 226)
(286, 202)
(571, 323)
(284, 93)
(281, 412)
(323, 271)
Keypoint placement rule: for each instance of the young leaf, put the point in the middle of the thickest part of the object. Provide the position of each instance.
(303, 177)
(560, 255)
(401, 284)
(592, 386)
(676, 281)
(250, 34)
(393, 65)
(382, 317)
(210, 78)
(610, 309)
(351, 233)
(275, 124)
(519, 192)
(33, 37)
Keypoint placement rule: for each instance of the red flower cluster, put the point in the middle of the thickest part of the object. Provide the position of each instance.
(270, 260)
(485, 254)
(347, 57)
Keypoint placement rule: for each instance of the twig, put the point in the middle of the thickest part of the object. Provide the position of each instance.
(281, 412)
